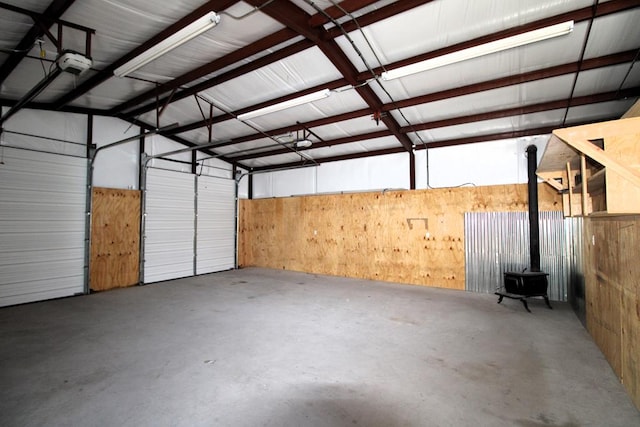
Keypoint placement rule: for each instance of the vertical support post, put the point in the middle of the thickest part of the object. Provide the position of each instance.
(144, 160)
(141, 151)
(250, 185)
(583, 171)
(195, 224)
(59, 38)
(412, 170)
(570, 189)
(236, 179)
(88, 206)
(194, 162)
(210, 126)
(87, 44)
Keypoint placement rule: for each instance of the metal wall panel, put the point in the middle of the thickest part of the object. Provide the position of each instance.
(574, 228)
(215, 237)
(496, 242)
(42, 226)
(169, 225)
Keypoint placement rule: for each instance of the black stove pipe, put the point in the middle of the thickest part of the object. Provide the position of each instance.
(534, 225)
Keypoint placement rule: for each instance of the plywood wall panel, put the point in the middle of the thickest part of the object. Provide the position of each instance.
(115, 238)
(629, 276)
(414, 237)
(612, 294)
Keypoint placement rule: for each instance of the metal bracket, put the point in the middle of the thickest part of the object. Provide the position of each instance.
(410, 222)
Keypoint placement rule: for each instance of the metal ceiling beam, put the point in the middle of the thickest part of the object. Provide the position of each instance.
(579, 15)
(527, 109)
(378, 15)
(183, 141)
(298, 20)
(590, 64)
(437, 144)
(34, 92)
(612, 7)
(234, 57)
(338, 11)
(223, 117)
(236, 72)
(293, 128)
(545, 73)
(546, 106)
(244, 53)
(382, 152)
(4, 102)
(490, 137)
(53, 12)
(316, 145)
(106, 73)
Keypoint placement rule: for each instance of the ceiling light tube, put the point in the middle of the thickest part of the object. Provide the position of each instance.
(192, 30)
(315, 96)
(481, 50)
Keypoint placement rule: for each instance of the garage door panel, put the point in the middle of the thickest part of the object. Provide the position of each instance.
(53, 165)
(169, 225)
(14, 244)
(42, 226)
(30, 195)
(168, 222)
(44, 212)
(39, 290)
(17, 273)
(8, 227)
(216, 225)
(172, 227)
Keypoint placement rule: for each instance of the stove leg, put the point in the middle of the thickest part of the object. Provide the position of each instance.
(546, 300)
(524, 302)
(500, 299)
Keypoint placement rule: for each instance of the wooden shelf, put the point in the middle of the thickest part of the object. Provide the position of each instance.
(613, 148)
(595, 183)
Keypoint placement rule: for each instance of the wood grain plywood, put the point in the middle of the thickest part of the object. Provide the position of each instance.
(414, 237)
(115, 239)
(622, 195)
(634, 111)
(629, 241)
(612, 294)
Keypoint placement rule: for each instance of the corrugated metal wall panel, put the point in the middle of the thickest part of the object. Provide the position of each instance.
(215, 225)
(169, 225)
(42, 226)
(496, 242)
(574, 228)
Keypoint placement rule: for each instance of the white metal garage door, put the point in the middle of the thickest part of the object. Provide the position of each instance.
(42, 226)
(187, 233)
(215, 237)
(169, 225)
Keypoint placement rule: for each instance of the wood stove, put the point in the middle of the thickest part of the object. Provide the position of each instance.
(525, 285)
(532, 283)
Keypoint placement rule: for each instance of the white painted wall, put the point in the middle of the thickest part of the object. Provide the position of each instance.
(157, 145)
(367, 174)
(484, 163)
(115, 167)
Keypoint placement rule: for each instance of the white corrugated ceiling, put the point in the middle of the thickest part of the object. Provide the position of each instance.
(264, 52)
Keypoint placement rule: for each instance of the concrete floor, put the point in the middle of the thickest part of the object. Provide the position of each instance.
(260, 347)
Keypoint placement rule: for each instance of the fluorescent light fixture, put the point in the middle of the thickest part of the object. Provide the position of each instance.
(481, 50)
(192, 30)
(315, 96)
